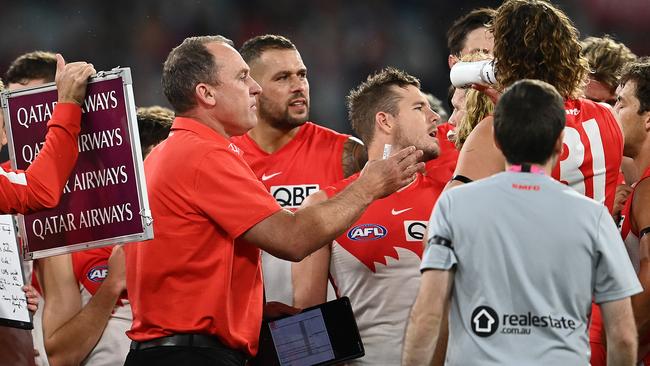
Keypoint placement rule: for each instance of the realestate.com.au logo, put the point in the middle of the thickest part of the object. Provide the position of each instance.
(485, 322)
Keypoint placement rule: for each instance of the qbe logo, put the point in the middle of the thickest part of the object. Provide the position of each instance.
(484, 321)
(98, 273)
(414, 230)
(292, 196)
(365, 232)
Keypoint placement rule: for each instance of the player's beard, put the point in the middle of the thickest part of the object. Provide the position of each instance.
(278, 115)
(430, 149)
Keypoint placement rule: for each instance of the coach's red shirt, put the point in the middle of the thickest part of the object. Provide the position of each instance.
(195, 276)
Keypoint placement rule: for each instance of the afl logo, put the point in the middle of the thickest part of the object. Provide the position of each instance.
(98, 273)
(367, 232)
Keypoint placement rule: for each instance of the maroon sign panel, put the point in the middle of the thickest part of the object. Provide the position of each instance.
(102, 200)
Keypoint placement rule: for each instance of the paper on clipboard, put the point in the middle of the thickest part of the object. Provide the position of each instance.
(13, 303)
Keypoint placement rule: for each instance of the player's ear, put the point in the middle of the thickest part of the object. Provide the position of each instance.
(384, 122)
(559, 145)
(494, 139)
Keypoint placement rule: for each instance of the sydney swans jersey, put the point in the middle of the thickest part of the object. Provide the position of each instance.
(442, 168)
(631, 238)
(512, 301)
(592, 151)
(376, 264)
(90, 269)
(311, 161)
(631, 235)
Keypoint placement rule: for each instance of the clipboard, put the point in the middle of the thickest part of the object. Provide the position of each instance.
(13, 302)
(326, 334)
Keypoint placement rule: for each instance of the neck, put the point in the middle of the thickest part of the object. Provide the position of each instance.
(203, 117)
(547, 168)
(642, 160)
(376, 147)
(269, 138)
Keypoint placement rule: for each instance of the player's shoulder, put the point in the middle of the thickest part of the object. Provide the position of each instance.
(315, 130)
(586, 108)
(340, 185)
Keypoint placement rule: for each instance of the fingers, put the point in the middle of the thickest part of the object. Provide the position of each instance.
(32, 298)
(490, 92)
(60, 63)
(410, 159)
(400, 155)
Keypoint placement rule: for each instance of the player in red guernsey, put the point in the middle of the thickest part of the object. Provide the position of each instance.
(593, 143)
(467, 35)
(291, 156)
(376, 261)
(633, 111)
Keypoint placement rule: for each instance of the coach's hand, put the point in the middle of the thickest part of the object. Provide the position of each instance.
(381, 178)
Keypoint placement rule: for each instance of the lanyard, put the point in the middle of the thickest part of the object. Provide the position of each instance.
(526, 168)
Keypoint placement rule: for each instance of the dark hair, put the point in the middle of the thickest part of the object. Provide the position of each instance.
(32, 66)
(535, 40)
(256, 46)
(187, 65)
(606, 59)
(639, 72)
(528, 120)
(457, 33)
(376, 95)
(154, 124)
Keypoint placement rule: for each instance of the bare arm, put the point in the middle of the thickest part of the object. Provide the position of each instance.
(621, 332)
(310, 275)
(479, 158)
(293, 236)
(426, 317)
(355, 156)
(71, 331)
(641, 215)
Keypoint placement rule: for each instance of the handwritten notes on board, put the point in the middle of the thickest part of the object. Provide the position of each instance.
(13, 303)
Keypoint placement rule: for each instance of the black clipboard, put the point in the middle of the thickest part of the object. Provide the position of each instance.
(326, 334)
(13, 302)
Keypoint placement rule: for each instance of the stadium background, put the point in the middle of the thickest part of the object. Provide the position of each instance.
(341, 42)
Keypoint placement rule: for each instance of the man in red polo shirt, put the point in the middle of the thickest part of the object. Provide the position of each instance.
(196, 289)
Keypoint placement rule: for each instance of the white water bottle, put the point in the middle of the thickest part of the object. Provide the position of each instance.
(463, 74)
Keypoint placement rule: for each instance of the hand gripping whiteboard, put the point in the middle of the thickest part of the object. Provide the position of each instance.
(105, 200)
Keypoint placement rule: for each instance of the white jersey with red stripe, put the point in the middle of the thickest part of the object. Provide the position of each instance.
(91, 268)
(590, 163)
(592, 151)
(312, 160)
(376, 264)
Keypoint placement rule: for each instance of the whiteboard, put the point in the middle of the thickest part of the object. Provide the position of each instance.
(13, 303)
